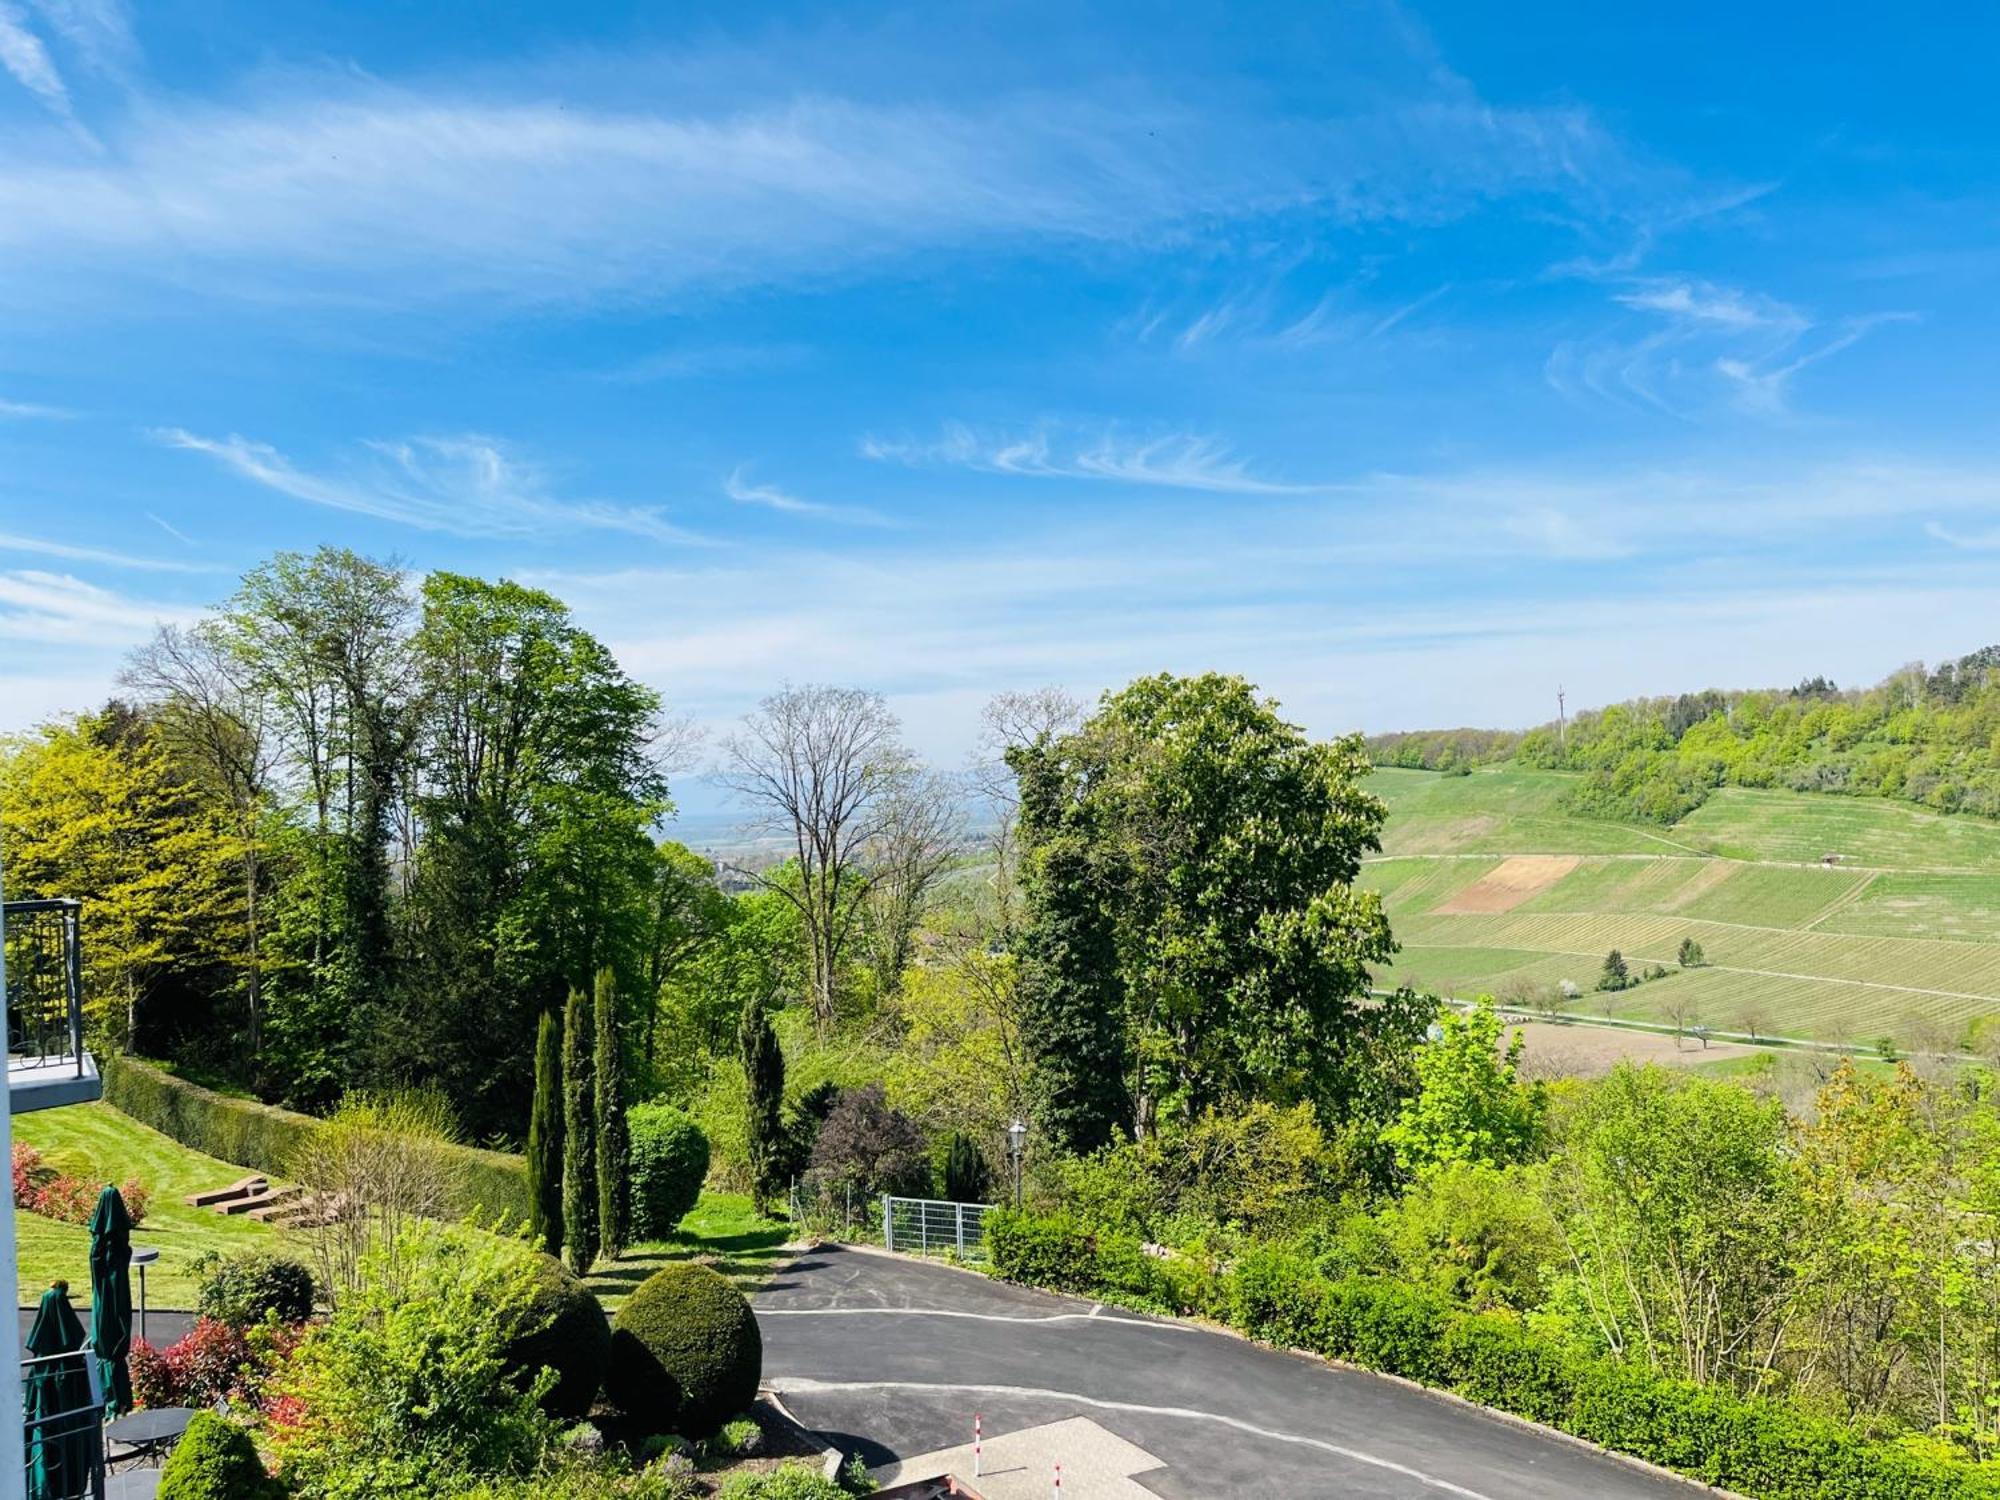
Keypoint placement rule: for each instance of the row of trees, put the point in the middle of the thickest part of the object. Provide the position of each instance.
(1925, 735)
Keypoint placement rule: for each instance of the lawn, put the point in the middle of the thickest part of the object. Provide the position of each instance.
(723, 1229)
(100, 1144)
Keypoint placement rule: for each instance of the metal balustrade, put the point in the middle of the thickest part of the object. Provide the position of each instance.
(934, 1226)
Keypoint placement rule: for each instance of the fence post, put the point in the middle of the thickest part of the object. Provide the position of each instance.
(960, 1208)
(888, 1223)
(923, 1227)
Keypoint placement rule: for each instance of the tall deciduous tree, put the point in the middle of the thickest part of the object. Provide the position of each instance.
(321, 639)
(1214, 847)
(545, 1138)
(764, 1077)
(819, 764)
(538, 787)
(613, 1160)
(96, 808)
(216, 723)
(580, 1226)
(1014, 721)
(920, 833)
(1470, 1104)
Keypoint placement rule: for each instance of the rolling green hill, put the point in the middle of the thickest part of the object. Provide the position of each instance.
(1493, 886)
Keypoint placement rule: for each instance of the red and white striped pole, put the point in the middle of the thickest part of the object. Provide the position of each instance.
(977, 1449)
(1058, 1481)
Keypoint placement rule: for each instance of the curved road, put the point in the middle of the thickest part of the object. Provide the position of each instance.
(891, 1357)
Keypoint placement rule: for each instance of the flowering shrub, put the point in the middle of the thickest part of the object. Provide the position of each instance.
(41, 1189)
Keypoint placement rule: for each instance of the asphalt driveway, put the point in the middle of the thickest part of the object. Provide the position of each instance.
(891, 1357)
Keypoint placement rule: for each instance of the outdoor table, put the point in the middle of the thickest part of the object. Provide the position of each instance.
(149, 1433)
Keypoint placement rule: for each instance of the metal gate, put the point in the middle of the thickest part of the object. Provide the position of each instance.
(934, 1226)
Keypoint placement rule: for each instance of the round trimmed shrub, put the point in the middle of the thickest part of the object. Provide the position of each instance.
(668, 1159)
(242, 1290)
(685, 1352)
(215, 1460)
(572, 1338)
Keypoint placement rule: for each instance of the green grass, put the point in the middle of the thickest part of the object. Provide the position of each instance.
(1499, 810)
(1800, 826)
(100, 1144)
(1794, 948)
(722, 1228)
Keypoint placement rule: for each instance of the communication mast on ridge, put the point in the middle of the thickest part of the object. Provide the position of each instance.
(1562, 720)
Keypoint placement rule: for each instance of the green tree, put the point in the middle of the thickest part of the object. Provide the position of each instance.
(321, 639)
(95, 807)
(1070, 1001)
(545, 1138)
(1681, 1219)
(966, 1176)
(536, 866)
(1470, 1104)
(1691, 956)
(580, 1226)
(612, 1156)
(1616, 974)
(1212, 848)
(764, 1079)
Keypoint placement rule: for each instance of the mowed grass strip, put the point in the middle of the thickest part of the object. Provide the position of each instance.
(101, 1144)
(1897, 904)
(1803, 827)
(1502, 810)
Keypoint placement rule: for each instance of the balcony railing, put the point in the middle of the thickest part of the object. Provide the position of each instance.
(67, 1447)
(46, 1061)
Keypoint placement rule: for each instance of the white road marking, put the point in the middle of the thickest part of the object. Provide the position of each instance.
(787, 1386)
(1095, 1315)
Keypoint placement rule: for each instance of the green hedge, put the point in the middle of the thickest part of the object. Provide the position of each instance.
(686, 1354)
(1761, 1447)
(262, 1137)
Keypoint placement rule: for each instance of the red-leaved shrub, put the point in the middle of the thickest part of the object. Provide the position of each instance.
(213, 1362)
(40, 1189)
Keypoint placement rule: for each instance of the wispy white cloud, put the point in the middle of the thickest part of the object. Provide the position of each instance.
(26, 411)
(23, 54)
(61, 609)
(1702, 302)
(100, 32)
(467, 486)
(70, 552)
(1706, 347)
(1176, 460)
(365, 191)
(739, 488)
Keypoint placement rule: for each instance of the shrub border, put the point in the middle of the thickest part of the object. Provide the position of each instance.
(1765, 1445)
(264, 1138)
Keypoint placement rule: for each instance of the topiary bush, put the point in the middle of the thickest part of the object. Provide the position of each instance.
(685, 1352)
(215, 1460)
(570, 1337)
(669, 1160)
(244, 1289)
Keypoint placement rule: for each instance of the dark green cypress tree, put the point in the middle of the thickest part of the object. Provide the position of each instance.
(579, 1137)
(1070, 996)
(764, 1077)
(545, 1138)
(966, 1176)
(612, 1157)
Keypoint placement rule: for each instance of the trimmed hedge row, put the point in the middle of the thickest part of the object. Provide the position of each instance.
(1761, 1447)
(263, 1138)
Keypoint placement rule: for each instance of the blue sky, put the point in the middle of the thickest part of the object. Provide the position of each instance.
(1408, 360)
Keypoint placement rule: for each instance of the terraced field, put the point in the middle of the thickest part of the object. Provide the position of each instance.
(1900, 937)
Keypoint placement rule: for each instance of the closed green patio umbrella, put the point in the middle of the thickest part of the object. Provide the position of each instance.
(111, 1299)
(61, 1422)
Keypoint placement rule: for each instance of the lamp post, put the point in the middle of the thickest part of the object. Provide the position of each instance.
(1017, 1140)
(142, 1257)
